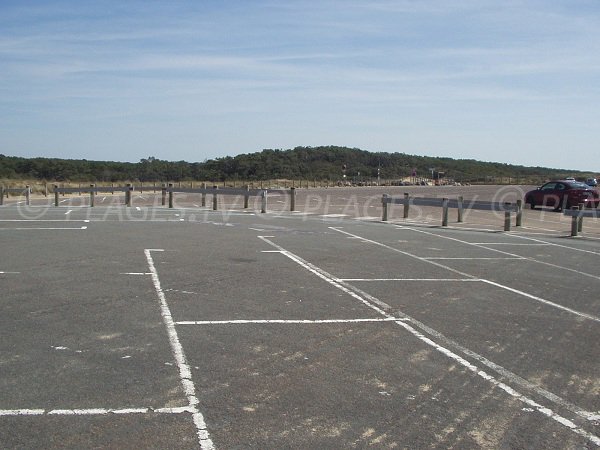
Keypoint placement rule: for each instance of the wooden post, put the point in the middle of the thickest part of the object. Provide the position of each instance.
(171, 195)
(292, 199)
(580, 218)
(384, 202)
(92, 186)
(27, 195)
(215, 204)
(46, 190)
(1, 195)
(406, 205)
(460, 209)
(128, 195)
(444, 212)
(246, 197)
(56, 195)
(506, 220)
(263, 208)
(574, 223)
(204, 194)
(163, 194)
(519, 213)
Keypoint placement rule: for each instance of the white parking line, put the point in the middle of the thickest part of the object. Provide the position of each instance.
(284, 321)
(410, 279)
(185, 373)
(376, 304)
(483, 258)
(91, 411)
(43, 228)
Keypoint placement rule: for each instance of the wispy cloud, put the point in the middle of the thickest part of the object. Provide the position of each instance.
(320, 63)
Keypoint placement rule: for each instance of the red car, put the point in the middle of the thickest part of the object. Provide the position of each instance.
(563, 194)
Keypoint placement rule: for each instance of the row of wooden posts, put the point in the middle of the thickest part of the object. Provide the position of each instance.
(576, 213)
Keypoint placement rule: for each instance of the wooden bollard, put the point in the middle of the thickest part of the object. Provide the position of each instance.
(444, 212)
(163, 194)
(519, 221)
(406, 205)
(506, 220)
(574, 222)
(56, 195)
(263, 206)
(580, 221)
(170, 195)
(92, 196)
(246, 197)
(128, 195)
(460, 209)
(204, 195)
(1, 195)
(215, 201)
(27, 195)
(384, 203)
(292, 199)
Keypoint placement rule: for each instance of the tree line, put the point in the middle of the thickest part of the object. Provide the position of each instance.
(329, 163)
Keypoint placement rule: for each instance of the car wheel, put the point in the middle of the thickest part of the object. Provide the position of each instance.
(531, 204)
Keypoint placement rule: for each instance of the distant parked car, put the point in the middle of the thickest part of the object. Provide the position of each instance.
(563, 194)
(591, 182)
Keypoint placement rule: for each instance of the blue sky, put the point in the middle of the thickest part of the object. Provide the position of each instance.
(509, 81)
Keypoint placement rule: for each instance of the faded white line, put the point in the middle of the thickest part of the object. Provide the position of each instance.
(509, 243)
(371, 302)
(68, 212)
(43, 228)
(410, 279)
(44, 220)
(91, 411)
(474, 258)
(184, 370)
(283, 321)
(8, 273)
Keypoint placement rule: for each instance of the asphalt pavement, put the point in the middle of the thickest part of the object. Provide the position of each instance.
(323, 327)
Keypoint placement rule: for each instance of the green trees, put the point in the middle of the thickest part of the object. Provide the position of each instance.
(321, 163)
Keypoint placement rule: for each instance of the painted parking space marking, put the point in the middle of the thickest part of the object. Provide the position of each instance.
(471, 258)
(466, 275)
(376, 305)
(43, 228)
(524, 258)
(464, 280)
(284, 321)
(553, 244)
(92, 411)
(185, 372)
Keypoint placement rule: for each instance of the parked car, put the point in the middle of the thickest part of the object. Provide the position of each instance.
(563, 194)
(591, 182)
